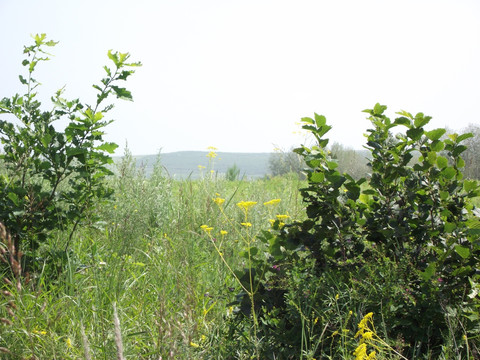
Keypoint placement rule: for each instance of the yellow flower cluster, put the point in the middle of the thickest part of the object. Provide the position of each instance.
(366, 334)
(206, 228)
(246, 205)
(218, 200)
(272, 202)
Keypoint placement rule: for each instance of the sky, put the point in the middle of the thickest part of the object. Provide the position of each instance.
(239, 75)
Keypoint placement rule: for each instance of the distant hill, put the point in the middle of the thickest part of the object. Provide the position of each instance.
(183, 164)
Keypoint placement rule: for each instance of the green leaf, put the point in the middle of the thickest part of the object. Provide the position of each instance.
(320, 120)
(464, 137)
(14, 197)
(463, 251)
(415, 133)
(458, 150)
(379, 109)
(22, 80)
(122, 93)
(437, 145)
(405, 114)
(469, 185)
(403, 121)
(108, 147)
(435, 134)
(448, 173)
(442, 162)
(429, 272)
(113, 57)
(421, 120)
(316, 177)
(308, 120)
(449, 227)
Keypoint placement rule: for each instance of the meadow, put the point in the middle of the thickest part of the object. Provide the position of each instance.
(100, 260)
(151, 258)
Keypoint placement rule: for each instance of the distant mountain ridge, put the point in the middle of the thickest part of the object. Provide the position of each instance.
(183, 164)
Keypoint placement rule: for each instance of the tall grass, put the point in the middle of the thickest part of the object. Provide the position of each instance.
(144, 283)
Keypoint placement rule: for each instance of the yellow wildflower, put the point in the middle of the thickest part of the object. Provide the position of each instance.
(69, 342)
(192, 344)
(40, 332)
(246, 205)
(282, 217)
(246, 224)
(223, 232)
(218, 200)
(367, 335)
(361, 352)
(206, 228)
(201, 167)
(272, 202)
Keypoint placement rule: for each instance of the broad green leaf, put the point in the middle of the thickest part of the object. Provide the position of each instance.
(463, 251)
(442, 162)
(437, 145)
(379, 109)
(469, 185)
(332, 165)
(323, 130)
(403, 121)
(98, 116)
(415, 133)
(421, 120)
(12, 196)
(473, 225)
(449, 227)
(464, 137)
(458, 150)
(316, 177)
(448, 173)
(435, 134)
(444, 195)
(320, 120)
(432, 156)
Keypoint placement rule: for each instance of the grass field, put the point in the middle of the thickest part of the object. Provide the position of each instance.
(150, 257)
(147, 282)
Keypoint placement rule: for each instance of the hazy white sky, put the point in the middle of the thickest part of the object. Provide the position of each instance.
(238, 75)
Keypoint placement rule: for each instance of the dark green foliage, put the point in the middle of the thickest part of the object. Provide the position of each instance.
(51, 178)
(404, 242)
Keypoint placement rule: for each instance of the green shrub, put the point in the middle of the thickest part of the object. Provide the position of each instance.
(402, 243)
(52, 178)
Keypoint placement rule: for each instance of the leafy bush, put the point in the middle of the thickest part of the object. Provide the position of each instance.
(403, 243)
(52, 178)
